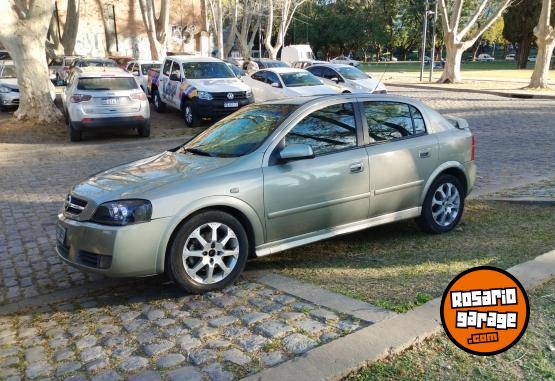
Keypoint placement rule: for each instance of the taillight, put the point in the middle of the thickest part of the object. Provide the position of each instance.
(77, 98)
(139, 96)
(473, 150)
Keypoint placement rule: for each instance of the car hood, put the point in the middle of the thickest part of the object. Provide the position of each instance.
(369, 84)
(9, 83)
(218, 85)
(134, 180)
(304, 91)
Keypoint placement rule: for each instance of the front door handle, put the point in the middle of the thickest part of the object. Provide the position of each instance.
(424, 154)
(356, 167)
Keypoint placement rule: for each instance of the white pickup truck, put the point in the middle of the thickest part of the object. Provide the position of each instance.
(201, 87)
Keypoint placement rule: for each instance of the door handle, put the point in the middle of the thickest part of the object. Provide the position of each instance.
(424, 154)
(356, 167)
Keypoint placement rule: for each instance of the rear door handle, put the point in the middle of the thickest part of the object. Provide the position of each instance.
(356, 167)
(424, 154)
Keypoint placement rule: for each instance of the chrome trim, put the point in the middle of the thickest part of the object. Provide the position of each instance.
(318, 205)
(289, 243)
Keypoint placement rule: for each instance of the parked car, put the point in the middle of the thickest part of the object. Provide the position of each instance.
(306, 63)
(5, 56)
(139, 69)
(101, 98)
(92, 62)
(532, 58)
(294, 53)
(265, 63)
(268, 178)
(510, 57)
(345, 61)
(348, 79)
(285, 82)
(200, 87)
(9, 90)
(60, 66)
(485, 58)
(122, 61)
(239, 73)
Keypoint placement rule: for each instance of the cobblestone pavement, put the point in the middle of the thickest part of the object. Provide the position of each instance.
(157, 333)
(515, 137)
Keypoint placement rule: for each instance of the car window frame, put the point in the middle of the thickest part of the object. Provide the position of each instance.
(181, 76)
(365, 129)
(277, 76)
(163, 71)
(262, 74)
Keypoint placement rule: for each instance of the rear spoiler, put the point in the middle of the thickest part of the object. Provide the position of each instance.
(460, 123)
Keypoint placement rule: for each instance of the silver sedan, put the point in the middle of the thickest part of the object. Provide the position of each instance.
(270, 177)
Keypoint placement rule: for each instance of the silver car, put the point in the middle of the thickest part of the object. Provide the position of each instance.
(9, 89)
(99, 98)
(270, 177)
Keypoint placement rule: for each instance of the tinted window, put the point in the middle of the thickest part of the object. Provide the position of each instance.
(240, 133)
(176, 71)
(418, 120)
(106, 84)
(167, 67)
(317, 71)
(204, 70)
(5, 56)
(327, 130)
(259, 76)
(388, 120)
(329, 73)
(272, 78)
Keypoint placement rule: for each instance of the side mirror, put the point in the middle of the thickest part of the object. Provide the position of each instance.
(136, 72)
(296, 152)
(275, 84)
(175, 77)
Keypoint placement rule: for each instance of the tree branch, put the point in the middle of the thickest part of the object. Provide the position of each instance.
(488, 24)
(473, 19)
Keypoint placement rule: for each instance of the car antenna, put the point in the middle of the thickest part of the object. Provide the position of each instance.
(381, 78)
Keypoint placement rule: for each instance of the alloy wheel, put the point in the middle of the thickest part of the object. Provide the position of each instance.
(188, 115)
(210, 253)
(446, 204)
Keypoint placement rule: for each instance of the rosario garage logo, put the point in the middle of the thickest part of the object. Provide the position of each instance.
(485, 310)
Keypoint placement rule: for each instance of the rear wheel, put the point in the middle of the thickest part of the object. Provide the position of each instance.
(75, 135)
(159, 106)
(209, 252)
(144, 131)
(443, 206)
(189, 115)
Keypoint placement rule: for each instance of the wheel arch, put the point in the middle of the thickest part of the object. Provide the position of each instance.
(235, 207)
(449, 168)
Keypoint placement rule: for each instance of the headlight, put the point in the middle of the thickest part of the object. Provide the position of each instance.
(4, 89)
(205, 95)
(249, 93)
(123, 212)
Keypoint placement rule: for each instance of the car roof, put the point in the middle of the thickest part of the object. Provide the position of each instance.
(354, 97)
(282, 70)
(140, 62)
(331, 65)
(186, 59)
(103, 72)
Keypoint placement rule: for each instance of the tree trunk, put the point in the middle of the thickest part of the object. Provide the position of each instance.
(477, 45)
(523, 52)
(452, 70)
(71, 27)
(23, 33)
(545, 39)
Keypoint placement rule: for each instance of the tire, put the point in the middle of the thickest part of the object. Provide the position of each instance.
(444, 196)
(159, 106)
(346, 92)
(144, 132)
(74, 134)
(189, 115)
(185, 270)
(3, 108)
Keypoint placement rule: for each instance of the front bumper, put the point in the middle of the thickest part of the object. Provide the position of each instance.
(111, 122)
(115, 251)
(10, 99)
(215, 107)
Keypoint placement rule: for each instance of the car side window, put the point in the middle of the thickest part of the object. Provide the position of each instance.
(317, 71)
(272, 78)
(176, 71)
(259, 76)
(131, 67)
(329, 73)
(418, 120)
(327, 130)
(388, 120)
(167, 68)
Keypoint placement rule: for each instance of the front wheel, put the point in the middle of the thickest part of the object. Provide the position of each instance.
(209, 252)
(190, 115)
(443, 206)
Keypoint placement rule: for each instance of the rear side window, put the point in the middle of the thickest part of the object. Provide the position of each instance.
(106, 84)
(317, 71)
(167, 67)
(391, 121)
(259, 76)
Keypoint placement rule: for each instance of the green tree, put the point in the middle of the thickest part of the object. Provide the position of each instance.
(519, 22)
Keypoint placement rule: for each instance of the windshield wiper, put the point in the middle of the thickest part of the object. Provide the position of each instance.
(197, 151)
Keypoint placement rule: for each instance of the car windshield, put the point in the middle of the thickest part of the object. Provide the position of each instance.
(5, 56)
(237, 71)
(106, 84)
(274, 64)
(350, 72)
(300, 79)
(99, 64)
(146, 67)
(204, 70)
(240, 133)
(7, 71)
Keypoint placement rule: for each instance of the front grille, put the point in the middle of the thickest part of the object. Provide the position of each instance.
(15, 101)
(224, 96)
(74, 205)
(94, 260)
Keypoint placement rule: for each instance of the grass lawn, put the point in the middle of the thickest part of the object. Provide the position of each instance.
(533, 358)
(397, 266)
(497, 69)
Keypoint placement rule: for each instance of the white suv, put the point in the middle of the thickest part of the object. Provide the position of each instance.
(99, 98)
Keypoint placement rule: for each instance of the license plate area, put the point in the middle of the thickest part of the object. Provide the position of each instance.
(61, 233)
(231, 104)
(109, 101)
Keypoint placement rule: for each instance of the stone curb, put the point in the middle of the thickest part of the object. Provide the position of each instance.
(339, 358)
(477, 91)
(337, 302)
